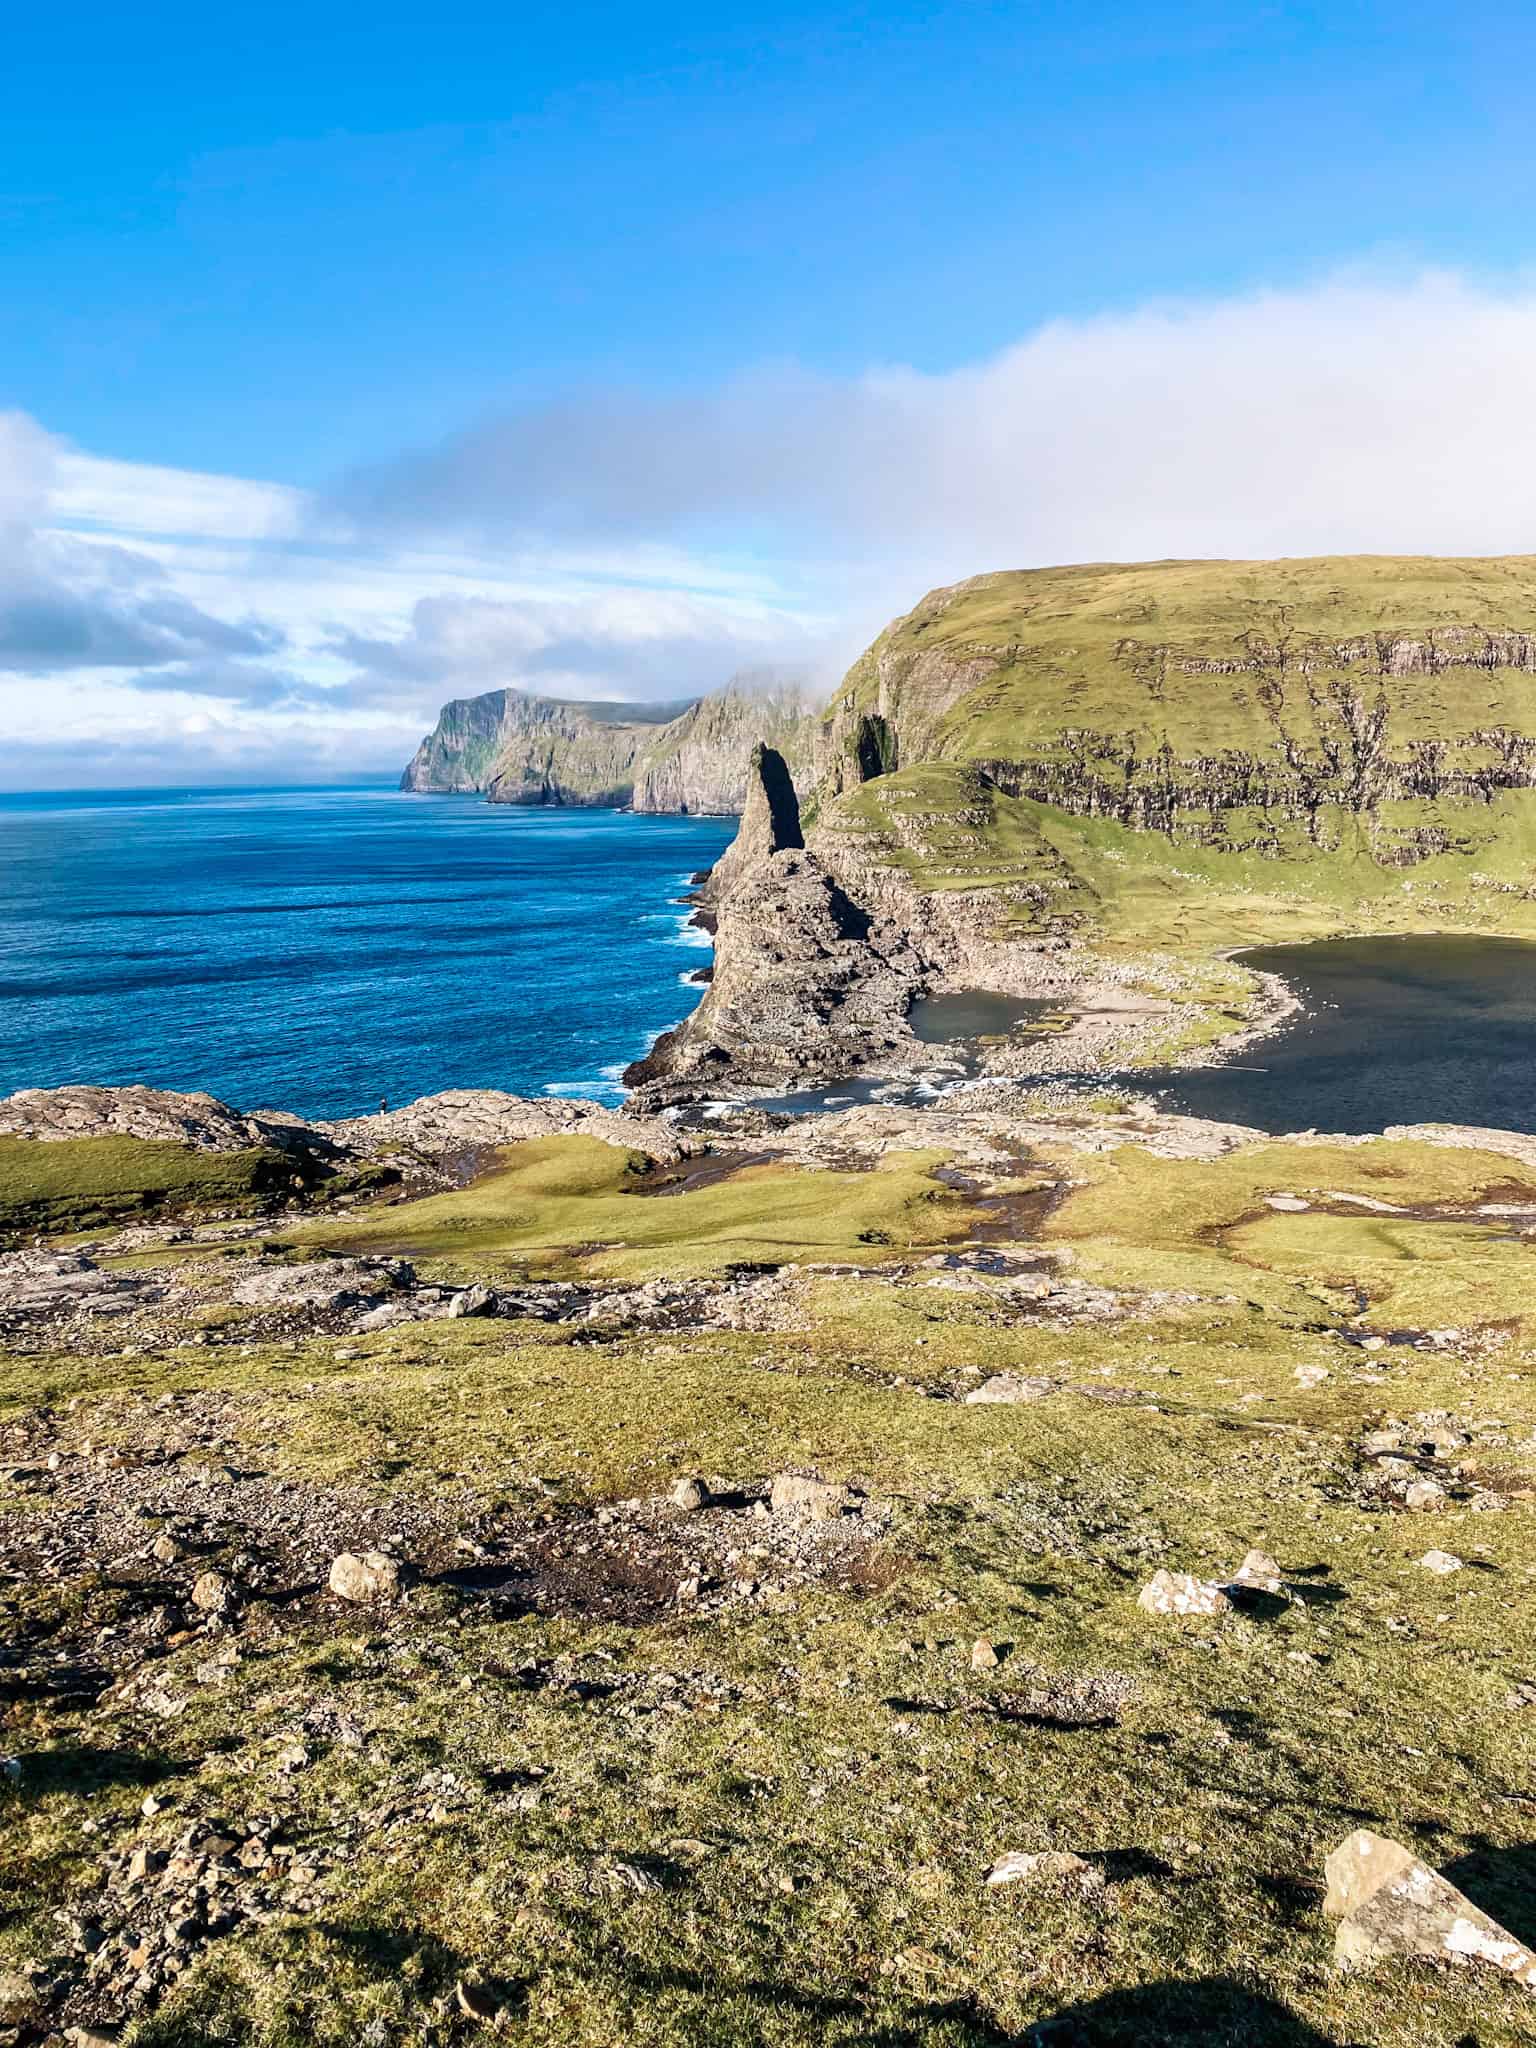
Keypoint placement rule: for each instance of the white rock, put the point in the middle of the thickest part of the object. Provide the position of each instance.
(1181, 1593)
(1389, 1903)
(1009, 1388)
(1443, 1562)
(1260, 1573)
(372, 1576)
(212, 1592)
(822, 1500)
(1022, 1866)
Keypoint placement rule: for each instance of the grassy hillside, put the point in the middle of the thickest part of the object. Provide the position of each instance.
(553, 1797)
(1190, 757)
(1120, 887)
(1213, 699)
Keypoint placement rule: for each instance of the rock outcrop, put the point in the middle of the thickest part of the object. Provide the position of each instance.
(462, 1119)
(770, 824)
(201, 1121)
(436, 1126)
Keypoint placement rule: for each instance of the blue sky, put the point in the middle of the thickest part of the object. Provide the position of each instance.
(439, 294)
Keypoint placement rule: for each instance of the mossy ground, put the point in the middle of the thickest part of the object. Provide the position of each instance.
(83, 1183)
(772, 1827)
(558, 1205)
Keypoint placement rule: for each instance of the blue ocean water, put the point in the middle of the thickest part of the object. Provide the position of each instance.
(322, 950)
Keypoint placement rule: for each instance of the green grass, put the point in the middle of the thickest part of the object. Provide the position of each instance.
(554, 1198)
(1100, 648)
(820, 1789)
(81, 1183)
(1146, 1221)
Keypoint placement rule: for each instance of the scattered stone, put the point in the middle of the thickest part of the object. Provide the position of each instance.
(1182, 1593)
(473, 1301)
(165, 1550)
(20, 2005)
(1423, 1493)
(1010, 1388)
(1058, 1866)
(1388, 1903)
(144, 1862)
(323, 1284)
(1259, 1573)
(1442, 1562)
(820, 1500)
(690, 1494)
(1310, 1375)
(372, 1576)
(984, 1654)
(212, 1592)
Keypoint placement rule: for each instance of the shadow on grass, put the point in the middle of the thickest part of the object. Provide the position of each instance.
(1502, 1882)
(80, 1769)
(1216, 2012)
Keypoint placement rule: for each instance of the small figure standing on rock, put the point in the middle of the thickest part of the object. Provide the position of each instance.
(383, 1105)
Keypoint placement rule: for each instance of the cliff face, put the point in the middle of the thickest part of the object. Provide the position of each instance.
(455, 758)
(517, 749)
(1210, 701)
(699, 763)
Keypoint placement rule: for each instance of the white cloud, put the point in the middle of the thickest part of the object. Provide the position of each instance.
(629, 546)
(1356, 415)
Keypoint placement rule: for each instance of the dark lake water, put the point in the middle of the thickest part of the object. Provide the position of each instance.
(1410, 1030)
(318, 950)
(1394, 1031)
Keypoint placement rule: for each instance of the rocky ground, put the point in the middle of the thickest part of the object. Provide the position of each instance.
(1009, 1572)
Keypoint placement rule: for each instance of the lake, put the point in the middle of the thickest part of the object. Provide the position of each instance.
(1395, 1030)
(321, 950)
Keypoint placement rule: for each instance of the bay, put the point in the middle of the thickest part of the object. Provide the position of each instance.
(322, 950)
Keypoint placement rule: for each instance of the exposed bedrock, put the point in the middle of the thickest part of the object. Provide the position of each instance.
(433, 1127)
(819, 953)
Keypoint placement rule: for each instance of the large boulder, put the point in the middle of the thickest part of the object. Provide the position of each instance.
(373, 1576)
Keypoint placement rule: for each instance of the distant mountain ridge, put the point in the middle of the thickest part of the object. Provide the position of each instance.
(689, 757)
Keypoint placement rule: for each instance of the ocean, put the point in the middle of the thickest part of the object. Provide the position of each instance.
(323, 950)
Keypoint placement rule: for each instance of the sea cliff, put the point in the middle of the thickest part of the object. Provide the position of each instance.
(519, 749)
